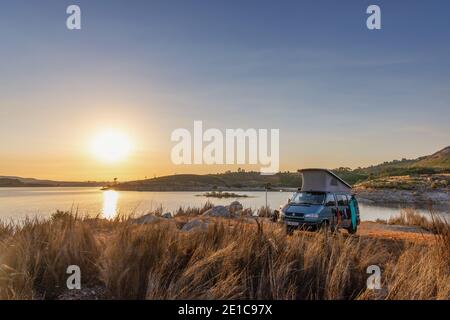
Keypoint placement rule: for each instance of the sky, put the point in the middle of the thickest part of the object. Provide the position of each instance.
(340, 94)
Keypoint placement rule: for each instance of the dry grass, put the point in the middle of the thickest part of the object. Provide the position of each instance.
(194, 211)
(264, 211)
(410, 217)
(35, 256)
(226, 261)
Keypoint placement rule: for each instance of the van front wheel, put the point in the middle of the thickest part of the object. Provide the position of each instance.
(325, 226)
(289, 229)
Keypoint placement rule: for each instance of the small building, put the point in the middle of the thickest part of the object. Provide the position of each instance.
(316, 179)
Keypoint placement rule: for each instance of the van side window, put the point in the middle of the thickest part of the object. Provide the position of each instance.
(346, 199)
(330, 202)
(341, 199)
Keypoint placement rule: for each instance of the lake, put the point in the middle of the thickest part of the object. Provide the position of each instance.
(18, 203)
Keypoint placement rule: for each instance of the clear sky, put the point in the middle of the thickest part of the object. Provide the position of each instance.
(340, 94)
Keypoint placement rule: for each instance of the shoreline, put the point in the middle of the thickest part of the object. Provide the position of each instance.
(379, 196)
(421, 199)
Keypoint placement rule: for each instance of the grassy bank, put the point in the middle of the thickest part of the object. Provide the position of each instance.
(229, 259)
(411, 217)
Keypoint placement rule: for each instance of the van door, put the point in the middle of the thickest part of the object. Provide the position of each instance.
(348, 213)
(344, 210)
(331, 209)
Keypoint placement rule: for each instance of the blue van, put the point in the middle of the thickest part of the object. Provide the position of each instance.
(324, 201)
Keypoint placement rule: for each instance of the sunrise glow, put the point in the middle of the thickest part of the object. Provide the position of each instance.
(111, 146)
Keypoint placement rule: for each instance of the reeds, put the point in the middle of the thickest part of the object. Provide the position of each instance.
(35, 256)
(410, 217)
(226, 261)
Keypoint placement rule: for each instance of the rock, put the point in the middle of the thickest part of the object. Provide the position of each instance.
(235, 206)
(167, 215)
(195, 224)
(247, 212)
(148, 218)
(218, 211)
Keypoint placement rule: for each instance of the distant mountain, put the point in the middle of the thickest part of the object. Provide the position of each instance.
(31, 180)
(13, 181)
(438, 162)
(8, 182)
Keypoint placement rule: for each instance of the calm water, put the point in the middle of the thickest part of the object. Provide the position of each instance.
(19, 203)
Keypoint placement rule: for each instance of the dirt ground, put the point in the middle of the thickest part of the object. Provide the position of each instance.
(394, 232)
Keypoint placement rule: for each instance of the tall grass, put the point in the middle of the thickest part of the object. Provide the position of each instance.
(225, 261)
(34, 257)
(194, 211)
(410, 217)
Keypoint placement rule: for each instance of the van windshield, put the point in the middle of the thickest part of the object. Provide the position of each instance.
(312, 198)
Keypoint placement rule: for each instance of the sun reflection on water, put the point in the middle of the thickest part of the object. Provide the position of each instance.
(109, 209)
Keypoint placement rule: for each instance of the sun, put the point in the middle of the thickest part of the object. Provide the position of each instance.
(111, 146)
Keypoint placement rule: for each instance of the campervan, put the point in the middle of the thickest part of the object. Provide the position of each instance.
(324, 201)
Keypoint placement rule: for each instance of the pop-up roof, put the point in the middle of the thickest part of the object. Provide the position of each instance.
(322, 180)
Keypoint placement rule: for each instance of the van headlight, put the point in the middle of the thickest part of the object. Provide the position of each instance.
(312, 215)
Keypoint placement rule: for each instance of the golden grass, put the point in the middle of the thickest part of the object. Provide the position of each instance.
(226, 261)
(35, 256)
(411, 217)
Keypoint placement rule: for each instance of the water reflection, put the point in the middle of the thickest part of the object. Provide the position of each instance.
(109, 209)
(19, 203)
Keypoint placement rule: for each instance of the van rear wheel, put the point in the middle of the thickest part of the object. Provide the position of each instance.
(352, 229)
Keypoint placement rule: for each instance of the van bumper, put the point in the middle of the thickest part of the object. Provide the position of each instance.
(300, 223)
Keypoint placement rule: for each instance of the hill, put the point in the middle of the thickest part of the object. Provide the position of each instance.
(221, 181)
(437, 163)
(440, 159)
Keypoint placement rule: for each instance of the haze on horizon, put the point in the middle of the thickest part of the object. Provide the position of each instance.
(340, 94)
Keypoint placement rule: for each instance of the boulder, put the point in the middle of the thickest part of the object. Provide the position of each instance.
(195, 225)
(235, 206)
(167, 215)
(145, 219)
(218, 211)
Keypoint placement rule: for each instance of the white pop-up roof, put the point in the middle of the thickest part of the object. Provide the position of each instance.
(322, 180)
